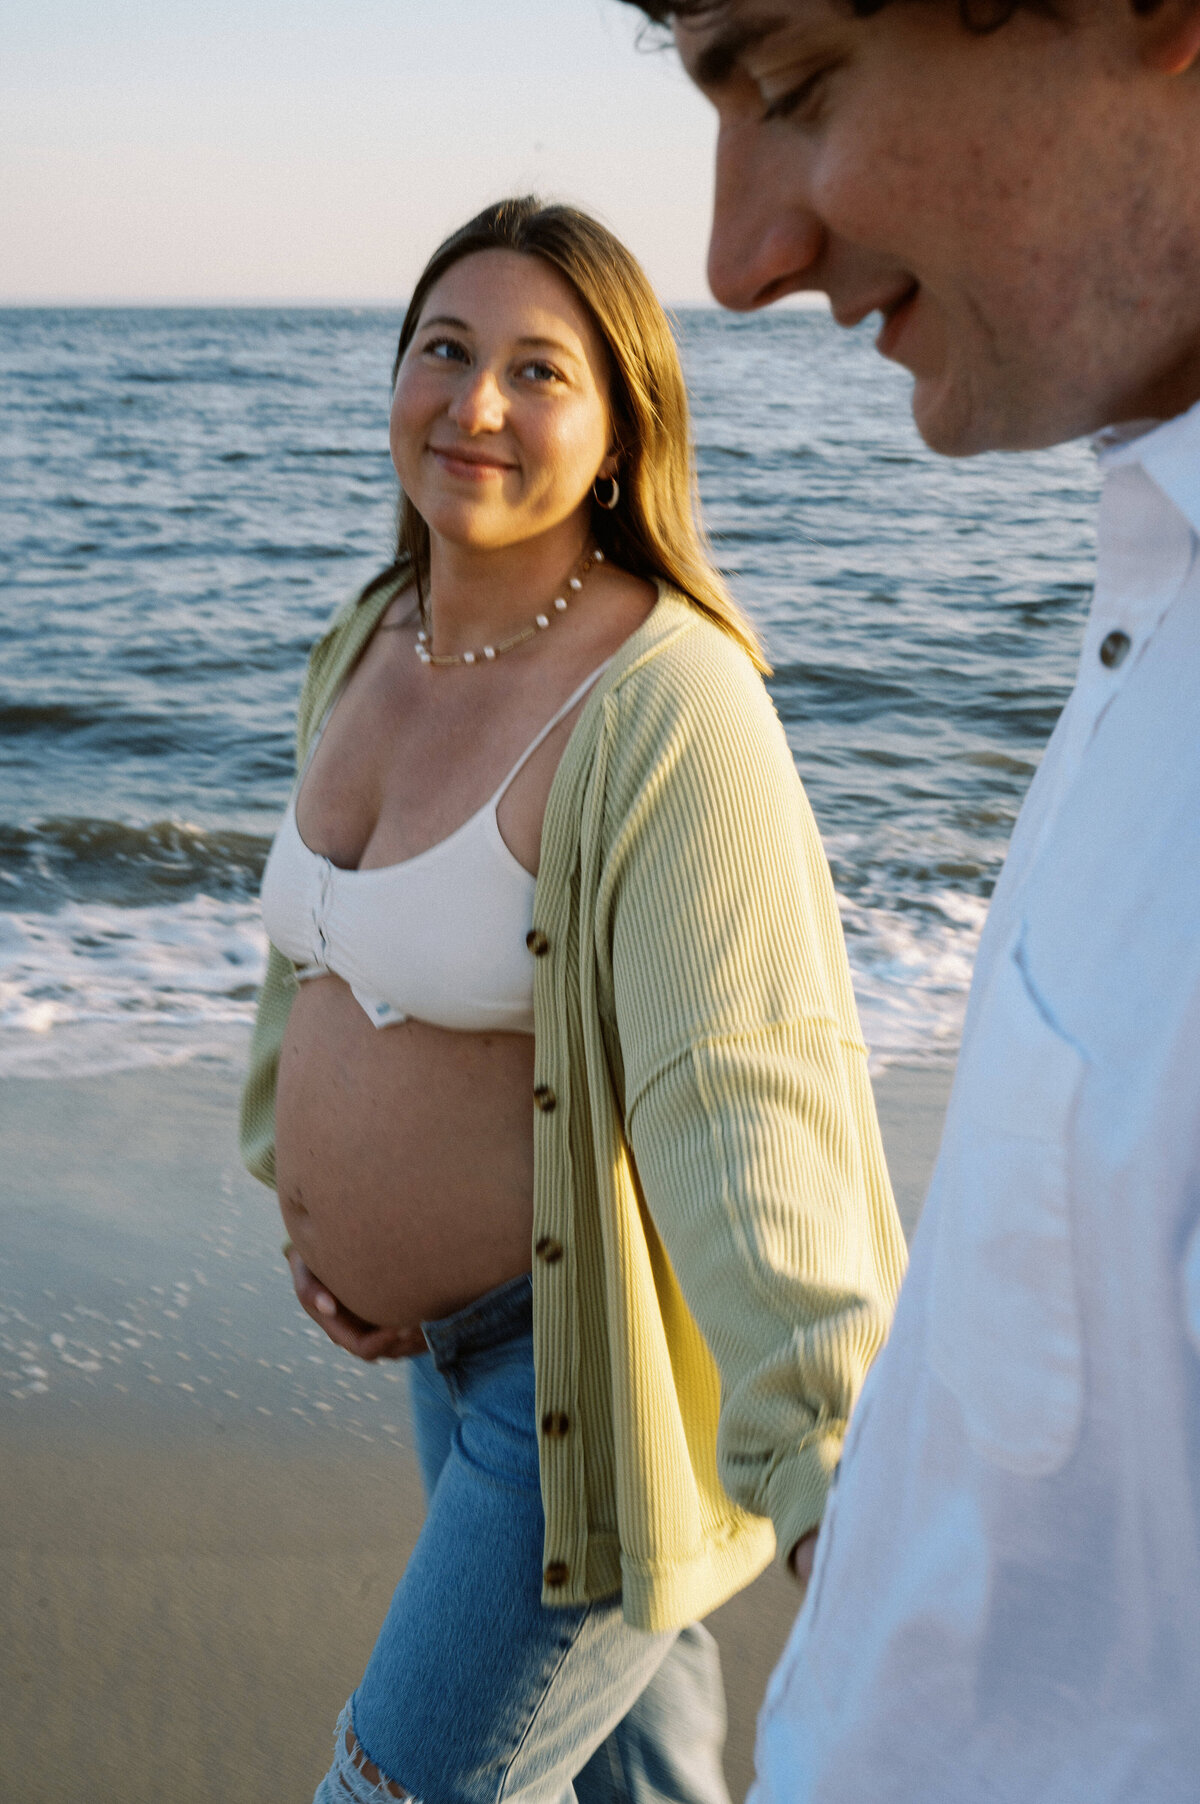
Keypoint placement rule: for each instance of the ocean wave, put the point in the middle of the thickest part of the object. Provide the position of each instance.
(90, 989)
(841, 692)
(156, 733)
(82, 859)
(912, 972)
(20, 718)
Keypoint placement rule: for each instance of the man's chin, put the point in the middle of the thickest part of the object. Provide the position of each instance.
(946, 420)
(955, 422)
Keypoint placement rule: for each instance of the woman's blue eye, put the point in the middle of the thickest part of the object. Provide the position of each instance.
(446, 349)
(542, 372)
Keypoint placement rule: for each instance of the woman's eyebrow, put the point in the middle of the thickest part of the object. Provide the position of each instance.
(721, 55)
(445, 319)
(537, 343)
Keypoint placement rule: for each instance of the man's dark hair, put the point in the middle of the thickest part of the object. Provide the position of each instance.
(976, 15)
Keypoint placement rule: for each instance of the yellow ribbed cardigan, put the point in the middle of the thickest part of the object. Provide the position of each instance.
(706, 1151)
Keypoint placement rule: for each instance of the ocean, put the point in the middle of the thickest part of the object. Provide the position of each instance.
(186, 495)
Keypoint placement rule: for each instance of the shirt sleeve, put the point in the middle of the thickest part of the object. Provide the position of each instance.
(747, 1104)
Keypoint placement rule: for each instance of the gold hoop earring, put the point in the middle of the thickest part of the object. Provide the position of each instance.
(613, 498)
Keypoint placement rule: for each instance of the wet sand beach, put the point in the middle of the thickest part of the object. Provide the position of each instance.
(203, 1507)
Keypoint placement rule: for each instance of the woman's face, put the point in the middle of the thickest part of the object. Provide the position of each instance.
(500, 417)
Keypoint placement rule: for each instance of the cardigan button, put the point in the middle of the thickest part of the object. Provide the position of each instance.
(545, 1099)
(537, 942)
(557, 1573)
(549, 1250)
(555, 1425)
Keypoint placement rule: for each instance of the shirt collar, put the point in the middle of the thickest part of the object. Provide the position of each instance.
(1169, 453)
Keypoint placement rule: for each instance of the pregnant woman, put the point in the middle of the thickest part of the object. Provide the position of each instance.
(557, 1070)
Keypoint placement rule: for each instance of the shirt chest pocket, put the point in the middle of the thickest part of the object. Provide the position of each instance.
(1004, 1320)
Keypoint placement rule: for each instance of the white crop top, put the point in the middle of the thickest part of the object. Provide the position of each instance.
(440, 937)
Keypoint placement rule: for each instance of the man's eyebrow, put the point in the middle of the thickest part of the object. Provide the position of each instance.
(720, 57)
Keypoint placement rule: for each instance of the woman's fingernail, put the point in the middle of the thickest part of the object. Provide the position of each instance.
(325, 1303)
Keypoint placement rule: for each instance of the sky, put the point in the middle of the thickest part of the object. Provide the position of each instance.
(318, 150)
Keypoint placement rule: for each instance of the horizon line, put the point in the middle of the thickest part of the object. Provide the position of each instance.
(804, 303)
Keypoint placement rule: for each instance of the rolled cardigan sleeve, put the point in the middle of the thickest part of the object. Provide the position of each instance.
(747, 1104)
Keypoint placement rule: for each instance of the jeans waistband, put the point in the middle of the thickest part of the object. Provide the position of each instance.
(499, 1315)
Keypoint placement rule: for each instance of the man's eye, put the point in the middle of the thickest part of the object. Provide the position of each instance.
(786, 106)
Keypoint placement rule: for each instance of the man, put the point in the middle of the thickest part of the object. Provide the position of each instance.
(1006, 1598)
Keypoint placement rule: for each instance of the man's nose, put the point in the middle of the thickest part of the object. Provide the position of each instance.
(766, 237)
(478, 406)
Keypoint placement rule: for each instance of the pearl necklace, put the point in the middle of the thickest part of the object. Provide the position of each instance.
(489, 653)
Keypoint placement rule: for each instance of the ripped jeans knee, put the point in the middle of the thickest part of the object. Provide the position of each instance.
(354, 1778)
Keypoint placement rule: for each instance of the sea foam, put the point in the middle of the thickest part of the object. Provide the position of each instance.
(93, 988)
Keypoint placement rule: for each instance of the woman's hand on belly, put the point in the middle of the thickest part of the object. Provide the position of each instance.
(345, 1329)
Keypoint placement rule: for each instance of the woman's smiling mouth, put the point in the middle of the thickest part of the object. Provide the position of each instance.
(470, 465)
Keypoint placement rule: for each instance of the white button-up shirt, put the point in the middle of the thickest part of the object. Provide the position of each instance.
(1006, 1601)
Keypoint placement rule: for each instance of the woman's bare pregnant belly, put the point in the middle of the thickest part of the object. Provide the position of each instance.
(404, 1157)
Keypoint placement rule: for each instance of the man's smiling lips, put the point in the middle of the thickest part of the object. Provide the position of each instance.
(894, 308)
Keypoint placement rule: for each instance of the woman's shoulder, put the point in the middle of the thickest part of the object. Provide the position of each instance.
(688, 720)
(681, 664)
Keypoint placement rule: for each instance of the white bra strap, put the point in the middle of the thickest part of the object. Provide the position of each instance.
(559, 715)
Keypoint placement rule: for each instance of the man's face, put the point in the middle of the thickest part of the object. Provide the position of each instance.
(1002, 199)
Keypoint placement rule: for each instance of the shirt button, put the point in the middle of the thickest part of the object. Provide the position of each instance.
(1114, 649)
(557, 1572)
(537, 942)
(549, 1249)
(555, 1425)
(545, 1099)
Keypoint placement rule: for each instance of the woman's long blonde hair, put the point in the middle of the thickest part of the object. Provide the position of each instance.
(655, 530)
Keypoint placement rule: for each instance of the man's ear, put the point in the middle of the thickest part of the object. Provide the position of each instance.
(1171, 37)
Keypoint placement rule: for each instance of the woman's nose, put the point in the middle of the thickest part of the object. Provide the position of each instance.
(478, 406)
(766, 237)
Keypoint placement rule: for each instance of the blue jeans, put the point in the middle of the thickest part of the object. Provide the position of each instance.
(475, 1692)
